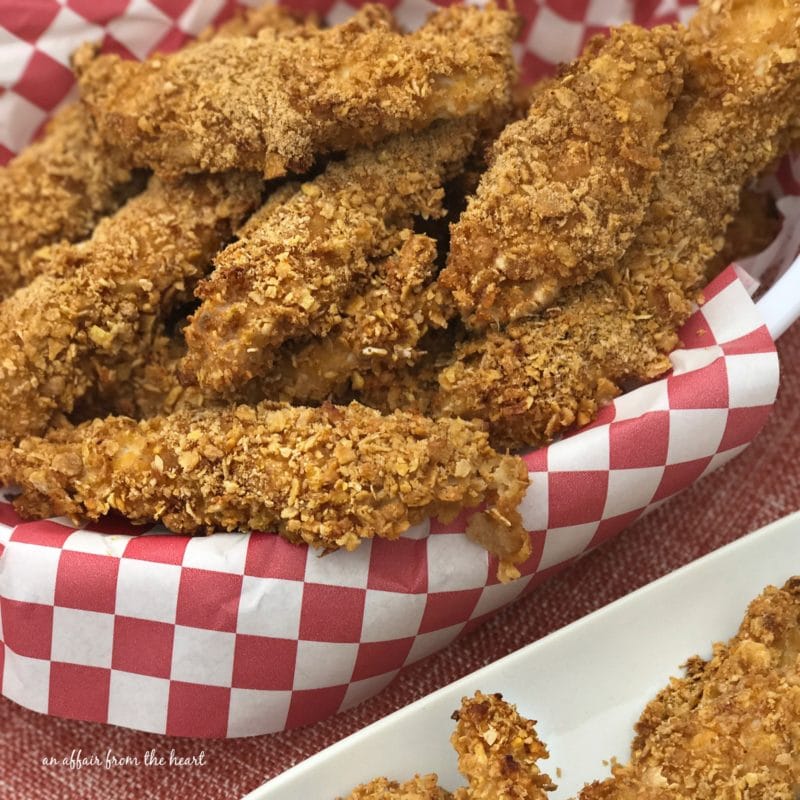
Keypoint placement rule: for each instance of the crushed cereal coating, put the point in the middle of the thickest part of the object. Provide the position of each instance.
(292, 268)
(568, 185)
(272, 103)
(729, 729)
(94, 310)
(498, 751)
(381, 328)
(420, 787)
(327, 476)
(56, 189)
(541, 376)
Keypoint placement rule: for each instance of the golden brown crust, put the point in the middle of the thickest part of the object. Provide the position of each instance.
(380, 331)
(294, 265)
(94, 310)
(568, 185)
(542, 376)
(498, 751)
(729, 729)
(58, 188)
(145, 386)
(251, 21)
(539, 377)
(272, 103)
(328, 476)
(420, 787)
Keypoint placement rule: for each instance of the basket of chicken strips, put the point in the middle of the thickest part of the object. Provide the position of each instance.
(325, 335)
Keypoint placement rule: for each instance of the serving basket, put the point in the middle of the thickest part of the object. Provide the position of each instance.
(243, 634)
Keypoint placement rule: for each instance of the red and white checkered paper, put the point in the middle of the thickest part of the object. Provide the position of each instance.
(242, 634)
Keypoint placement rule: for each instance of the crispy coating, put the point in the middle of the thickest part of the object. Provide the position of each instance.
(380, 330)
(251, 21)
(420, 787)
(58, 188)
(295, 265)
(753, 229)
(94, 310)
(497, 751)
(328, 476)
(274, 102)
(732, 121)
(541, 376)
(146, 386)
(61, 186)
(567, 186)
(729, 729)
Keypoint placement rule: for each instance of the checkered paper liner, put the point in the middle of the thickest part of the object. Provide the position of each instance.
(243, 634)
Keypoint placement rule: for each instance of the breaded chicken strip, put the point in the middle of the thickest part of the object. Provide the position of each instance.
(541, 376)
(146, 386)
(730, 728)
(381, 329)
(295, 264)
(61, 186)
(251, 21)
(273, 103)
(420, 787)
(328, 476)
(498, 751)
(567, 186)
(94, 310)
(56, 189)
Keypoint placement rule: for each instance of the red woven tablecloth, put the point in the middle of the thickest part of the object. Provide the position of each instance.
(760, 486)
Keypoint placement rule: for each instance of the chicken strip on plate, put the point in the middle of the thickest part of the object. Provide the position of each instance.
(498, 751)
(729, 729)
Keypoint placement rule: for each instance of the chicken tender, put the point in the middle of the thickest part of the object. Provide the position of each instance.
(380, 330)
(541, 376)
(295, 265)
(251, 21)
(328, 476)
(498, 751)
(94, 311)
(568, 186)
(730, 728)
(273, 103)
(146, 386)
(60, 187)
(424, 787)
(56, 189)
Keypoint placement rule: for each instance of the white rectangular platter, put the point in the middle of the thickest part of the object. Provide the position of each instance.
(586, 684)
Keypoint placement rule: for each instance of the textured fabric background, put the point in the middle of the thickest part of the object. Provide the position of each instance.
(760, 486)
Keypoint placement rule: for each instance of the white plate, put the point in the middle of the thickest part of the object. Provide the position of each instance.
(586, 683)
